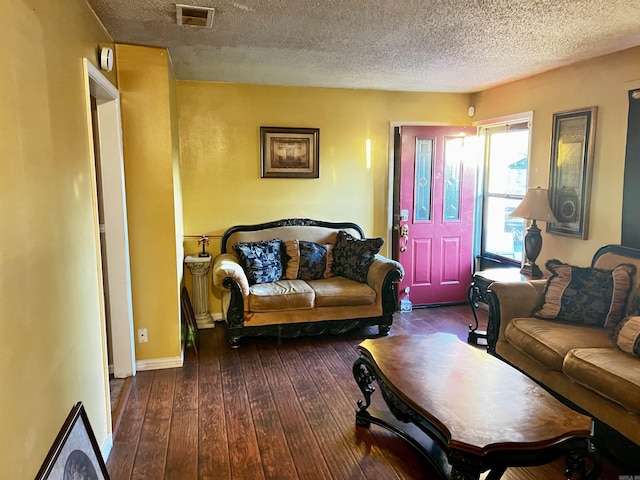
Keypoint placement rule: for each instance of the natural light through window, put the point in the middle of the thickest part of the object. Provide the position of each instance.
(507, 166)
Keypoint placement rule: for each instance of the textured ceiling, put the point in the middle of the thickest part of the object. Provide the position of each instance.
(409, 45)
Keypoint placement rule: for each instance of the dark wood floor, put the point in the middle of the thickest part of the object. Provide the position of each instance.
(274, 410)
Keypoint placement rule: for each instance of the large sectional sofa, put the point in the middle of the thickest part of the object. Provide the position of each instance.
(578, 334)
(295, 277)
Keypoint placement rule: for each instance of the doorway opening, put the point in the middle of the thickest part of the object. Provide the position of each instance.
(103, 102)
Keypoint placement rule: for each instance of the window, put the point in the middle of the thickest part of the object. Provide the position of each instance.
(506, 160)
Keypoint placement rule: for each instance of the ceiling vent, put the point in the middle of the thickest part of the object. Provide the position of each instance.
(194, 16)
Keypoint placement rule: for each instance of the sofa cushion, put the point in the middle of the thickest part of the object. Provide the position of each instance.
(585, 295)
(261, 260)
(280, 295)
(341, 292)
(352, 256)
(608, 372)
(627, 335)
(548, 342)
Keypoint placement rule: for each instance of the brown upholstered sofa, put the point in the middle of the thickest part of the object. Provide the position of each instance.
(583, 365)
(290, 307)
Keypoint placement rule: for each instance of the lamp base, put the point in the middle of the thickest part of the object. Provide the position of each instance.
(531, 270)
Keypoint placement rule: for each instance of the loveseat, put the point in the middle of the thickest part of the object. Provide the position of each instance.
(577, 333)
(295, 277)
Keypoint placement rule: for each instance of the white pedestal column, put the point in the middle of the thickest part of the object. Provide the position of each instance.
(199, 267)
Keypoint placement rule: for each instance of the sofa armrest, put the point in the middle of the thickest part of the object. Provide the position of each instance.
(383, 276)
(508, 300)
(225, 266)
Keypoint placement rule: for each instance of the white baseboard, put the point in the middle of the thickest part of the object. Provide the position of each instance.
(105, 450)
(160, 363)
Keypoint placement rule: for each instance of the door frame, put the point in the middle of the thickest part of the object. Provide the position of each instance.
(118, 273)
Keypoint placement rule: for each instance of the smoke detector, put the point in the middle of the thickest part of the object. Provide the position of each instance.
(194, 16)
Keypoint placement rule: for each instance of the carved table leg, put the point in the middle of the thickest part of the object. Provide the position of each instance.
(364, 378)
(575, 463)
(473, 292)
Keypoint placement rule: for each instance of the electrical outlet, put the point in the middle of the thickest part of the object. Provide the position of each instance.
(142, 335)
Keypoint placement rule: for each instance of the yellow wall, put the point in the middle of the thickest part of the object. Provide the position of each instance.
(146, 84)
(603, 82)
(220, 154)
(51, 347)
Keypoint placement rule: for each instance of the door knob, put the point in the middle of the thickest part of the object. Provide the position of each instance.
(404, 233)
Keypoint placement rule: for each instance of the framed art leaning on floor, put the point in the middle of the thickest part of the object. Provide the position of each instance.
(75, 453)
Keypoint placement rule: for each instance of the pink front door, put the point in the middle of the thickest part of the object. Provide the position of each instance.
(436, 213)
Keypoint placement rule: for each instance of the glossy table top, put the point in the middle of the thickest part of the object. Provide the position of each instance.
(475, 400)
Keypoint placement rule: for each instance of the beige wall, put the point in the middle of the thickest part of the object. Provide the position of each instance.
(603, 82)
(146, 85)
(51, 347)
(220, 154)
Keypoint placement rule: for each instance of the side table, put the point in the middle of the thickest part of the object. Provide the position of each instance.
(199, 267)
(478, 293)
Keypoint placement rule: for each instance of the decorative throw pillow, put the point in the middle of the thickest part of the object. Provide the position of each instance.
(352, 257)
(327, 272)
(292, 253)
(627, 335)
(586, 295)
(260, 260)
(313, 260)
(634, 305)
(302, 260)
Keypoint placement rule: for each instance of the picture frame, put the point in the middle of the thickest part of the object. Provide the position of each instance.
(571, 169)
(289, 152)
(75, 452)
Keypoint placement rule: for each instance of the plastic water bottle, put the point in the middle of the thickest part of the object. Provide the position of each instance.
(405, 303)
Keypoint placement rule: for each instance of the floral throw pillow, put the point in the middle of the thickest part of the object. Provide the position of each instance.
(313, 261)
(586, 295)
(352, 256)
(307, 260)
(261, 260)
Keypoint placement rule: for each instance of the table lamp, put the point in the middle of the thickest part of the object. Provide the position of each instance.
(534, 206)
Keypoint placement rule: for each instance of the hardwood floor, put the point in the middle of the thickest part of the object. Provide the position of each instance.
(274, 410)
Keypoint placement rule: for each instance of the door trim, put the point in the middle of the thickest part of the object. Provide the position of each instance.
(115, 218)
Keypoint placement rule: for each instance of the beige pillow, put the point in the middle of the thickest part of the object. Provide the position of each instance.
(292, 249)
(627, 335)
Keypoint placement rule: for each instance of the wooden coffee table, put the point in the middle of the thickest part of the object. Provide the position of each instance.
(466, 411)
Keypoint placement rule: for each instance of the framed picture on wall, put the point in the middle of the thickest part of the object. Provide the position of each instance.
(289, 152)
(571, 168)
(75, 452)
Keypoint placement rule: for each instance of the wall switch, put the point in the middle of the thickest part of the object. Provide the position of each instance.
(142, 335)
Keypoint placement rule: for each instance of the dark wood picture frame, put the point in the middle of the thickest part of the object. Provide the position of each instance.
(571, 169)
(189, 319)
(289, 152)
(75, 450)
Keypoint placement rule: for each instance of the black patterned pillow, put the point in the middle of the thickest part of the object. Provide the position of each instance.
(586, 295)
(261, 260)
(627, 335)
(352, 257)
(313, 260)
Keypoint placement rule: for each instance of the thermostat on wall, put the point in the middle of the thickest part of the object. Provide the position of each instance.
(106, 59)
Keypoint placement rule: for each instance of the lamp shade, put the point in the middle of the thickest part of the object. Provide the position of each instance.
(535, 206)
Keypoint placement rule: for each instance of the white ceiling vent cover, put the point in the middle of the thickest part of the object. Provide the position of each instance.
(194, 16)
